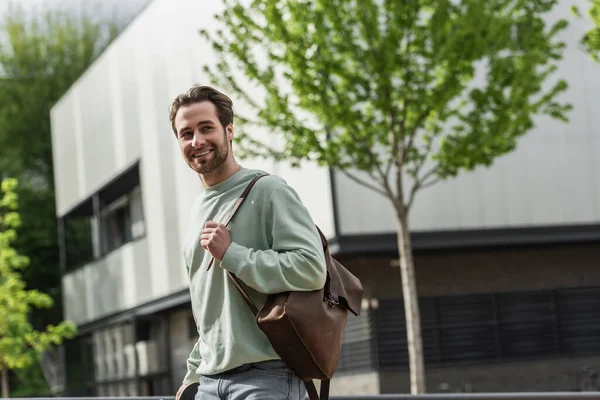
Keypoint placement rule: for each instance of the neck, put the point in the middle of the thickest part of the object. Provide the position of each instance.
(226, 170)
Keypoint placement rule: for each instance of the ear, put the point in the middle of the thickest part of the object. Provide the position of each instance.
(229, 131)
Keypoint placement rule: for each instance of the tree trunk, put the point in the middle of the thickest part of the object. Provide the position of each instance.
(4, 382)
(411, 307)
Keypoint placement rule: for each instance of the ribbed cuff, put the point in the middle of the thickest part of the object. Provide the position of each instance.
(232, 260)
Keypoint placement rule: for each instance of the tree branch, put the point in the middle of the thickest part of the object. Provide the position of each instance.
(383, 176)
(431, 182)
(395, 142)
(399, 154)
(421, 118)
(413, 133)
(422, 184)
(383, 181)
(364, 183)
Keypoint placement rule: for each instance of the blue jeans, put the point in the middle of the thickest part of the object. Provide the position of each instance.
(268, 380)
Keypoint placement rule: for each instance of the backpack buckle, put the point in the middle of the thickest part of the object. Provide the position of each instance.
(331, 301)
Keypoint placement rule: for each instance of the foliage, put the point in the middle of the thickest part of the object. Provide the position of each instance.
(41, 56)
(30, 382)
(400, 78)
(20, 344)
(395, 95)
(592, 37)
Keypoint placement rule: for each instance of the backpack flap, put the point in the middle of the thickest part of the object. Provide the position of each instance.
(341, 287)
(345, 288)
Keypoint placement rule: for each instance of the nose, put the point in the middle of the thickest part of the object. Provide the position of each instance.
(198, 140)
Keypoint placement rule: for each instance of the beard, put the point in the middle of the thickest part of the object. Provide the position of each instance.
(217, 158)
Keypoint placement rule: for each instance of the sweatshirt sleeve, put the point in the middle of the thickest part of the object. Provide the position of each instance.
(295, 261)
(193, 362)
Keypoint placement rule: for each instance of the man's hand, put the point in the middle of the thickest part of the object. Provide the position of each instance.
(178, 395)
(190, 394)
(215, 239)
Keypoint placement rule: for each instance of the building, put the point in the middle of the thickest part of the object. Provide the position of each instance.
(506, 258)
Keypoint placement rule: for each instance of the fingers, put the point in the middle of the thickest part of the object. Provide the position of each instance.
(215, 238)
(211, 224)
(204, 243)
(212, 227)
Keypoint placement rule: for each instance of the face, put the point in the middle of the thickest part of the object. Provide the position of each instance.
(203, 142)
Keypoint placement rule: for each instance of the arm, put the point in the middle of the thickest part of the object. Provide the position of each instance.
(295, 261)
(193, 362)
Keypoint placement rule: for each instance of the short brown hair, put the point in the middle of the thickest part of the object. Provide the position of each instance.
(198, 94)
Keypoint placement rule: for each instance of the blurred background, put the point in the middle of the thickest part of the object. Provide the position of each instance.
(470, 124)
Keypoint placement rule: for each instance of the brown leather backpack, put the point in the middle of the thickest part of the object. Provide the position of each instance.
(306, 328)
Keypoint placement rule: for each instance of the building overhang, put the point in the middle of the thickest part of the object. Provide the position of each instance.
(386, 243)
(147, 310)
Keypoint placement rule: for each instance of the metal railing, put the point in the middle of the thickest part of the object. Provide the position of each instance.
(445, 396)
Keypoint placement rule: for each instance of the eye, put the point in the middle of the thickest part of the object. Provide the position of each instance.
(186, 133)
(207, 128)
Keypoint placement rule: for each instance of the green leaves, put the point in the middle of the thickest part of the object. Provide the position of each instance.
(20, 344)
(591, 39)
(42, 53)
(429, 88)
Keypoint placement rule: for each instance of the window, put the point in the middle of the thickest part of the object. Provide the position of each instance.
(358, 347)
(578, 320)
(105, 221)
(489, 327)
(121, 221)
(78, 244)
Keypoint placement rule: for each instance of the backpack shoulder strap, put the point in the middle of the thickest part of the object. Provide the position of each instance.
(312, 390)
(237, 205)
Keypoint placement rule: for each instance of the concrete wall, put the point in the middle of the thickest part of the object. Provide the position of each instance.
(549, 375)
(556, 375)
(117, 282)
(354, 385)
(553, 375)
(551, 179)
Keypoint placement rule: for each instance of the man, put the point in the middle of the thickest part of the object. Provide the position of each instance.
(271, 245)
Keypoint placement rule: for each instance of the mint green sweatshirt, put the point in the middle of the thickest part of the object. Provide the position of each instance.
(275, 248)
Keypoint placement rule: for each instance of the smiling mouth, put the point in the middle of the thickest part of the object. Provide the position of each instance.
(202, 154)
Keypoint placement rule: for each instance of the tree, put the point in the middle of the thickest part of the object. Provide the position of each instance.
(20, 344)
(41, 55)
(388, 93)
(591, 40)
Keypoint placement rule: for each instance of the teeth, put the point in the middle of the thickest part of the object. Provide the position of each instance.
(202, 154)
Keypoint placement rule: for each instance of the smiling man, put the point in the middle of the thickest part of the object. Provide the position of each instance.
(271, 245)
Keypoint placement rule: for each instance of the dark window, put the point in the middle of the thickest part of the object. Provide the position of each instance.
(526, 323)
(390, 328)
(579, 320)
(79, 364)
(358, 347)
(106, 221)
(78, 241)
(488, 327)
(116, 225)
(466, 325)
